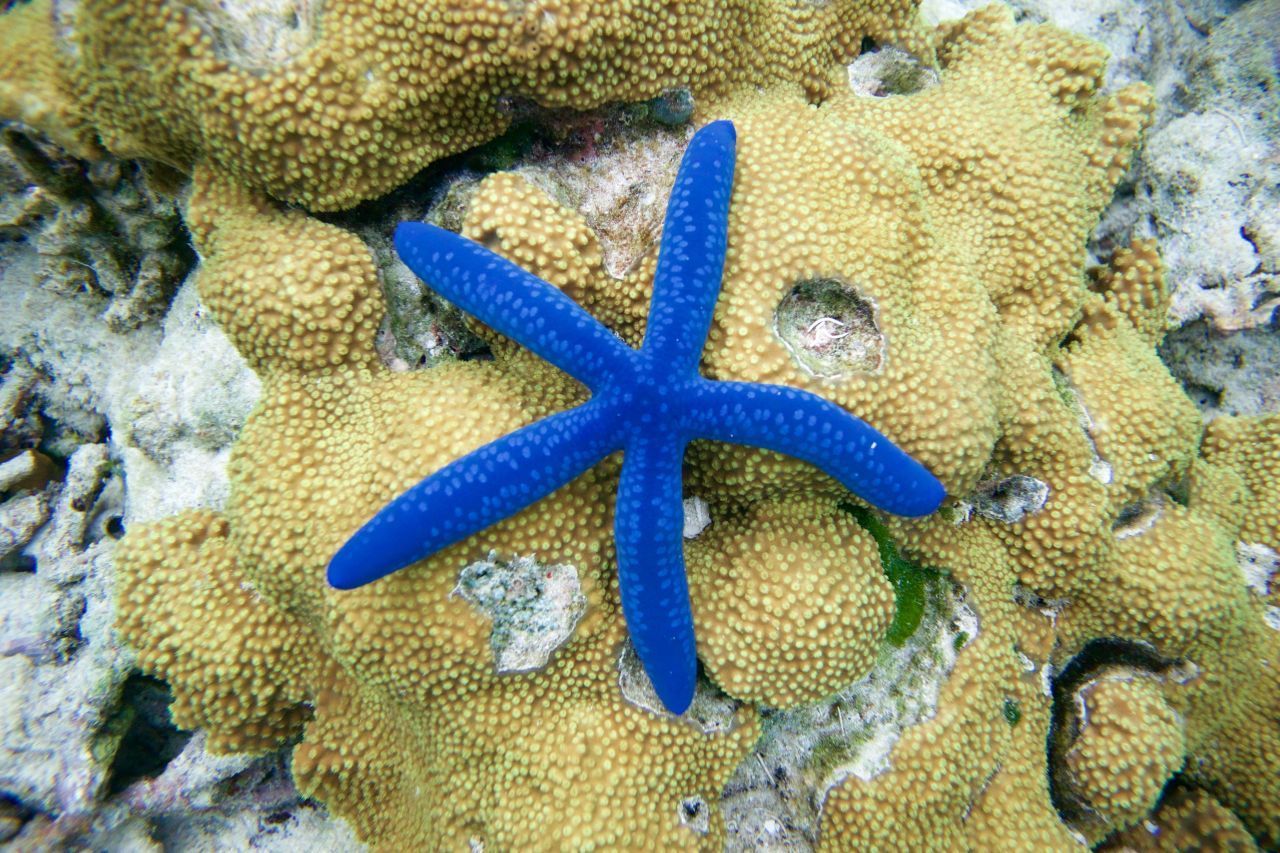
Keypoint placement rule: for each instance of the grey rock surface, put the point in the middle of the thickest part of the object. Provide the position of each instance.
(104, 425)
(168, 398)
(110, 227)
(1231, 373)
(61, 667)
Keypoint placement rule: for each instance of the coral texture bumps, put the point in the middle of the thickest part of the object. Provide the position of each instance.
(944, 230)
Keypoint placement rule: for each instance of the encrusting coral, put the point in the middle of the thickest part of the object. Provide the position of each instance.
(1188, 819)
(817, 602)
(925, 251)
(347, 107)
(1127, 744)
(648, 402)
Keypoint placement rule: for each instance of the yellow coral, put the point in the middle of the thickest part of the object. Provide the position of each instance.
(1085, 407)
(1133, 284)
(1131, 742)
(385, 88)
(1125, 392)
(790, 600)
(1188, 819)
(411, 734)
(328, 322)
(32, 87)
(916, 259)
(242, 668)
(1249, 447)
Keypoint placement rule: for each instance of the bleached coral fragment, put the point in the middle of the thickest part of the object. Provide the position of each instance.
(534, 608)
(105, 227)
(1258, 563)
(889, 71)
(259, 35)
(20, 518)
(58, 545)
(697, 516)
(1010, 499)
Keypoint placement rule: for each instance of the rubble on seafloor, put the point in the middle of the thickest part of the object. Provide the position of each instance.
(112, 411)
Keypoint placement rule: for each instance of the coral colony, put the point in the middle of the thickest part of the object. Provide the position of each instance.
(1080, 646)
(649, 403)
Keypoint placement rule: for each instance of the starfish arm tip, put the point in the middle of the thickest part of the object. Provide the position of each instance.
(676, 692)
(648, 530)
(924, 495)
(339, 574)
(724, 128)
(355, 564)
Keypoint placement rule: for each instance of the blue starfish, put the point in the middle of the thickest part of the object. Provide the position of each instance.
(649, 403)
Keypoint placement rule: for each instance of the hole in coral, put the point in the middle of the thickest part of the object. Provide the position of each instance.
(1263, 297)
(13, 815)
(695, 815)
(140, 733)
(830, 328)
(1139, 517)
(1010, 499)
(889, 72)
(18, 562)
(1205, 397)
(672, 107)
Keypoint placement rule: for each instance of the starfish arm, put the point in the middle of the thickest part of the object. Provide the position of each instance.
(648, 528)
(515, 302)
(691, 258)
(817, 431)
(471, 493)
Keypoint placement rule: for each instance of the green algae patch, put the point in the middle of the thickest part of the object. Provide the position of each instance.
(908, 579)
